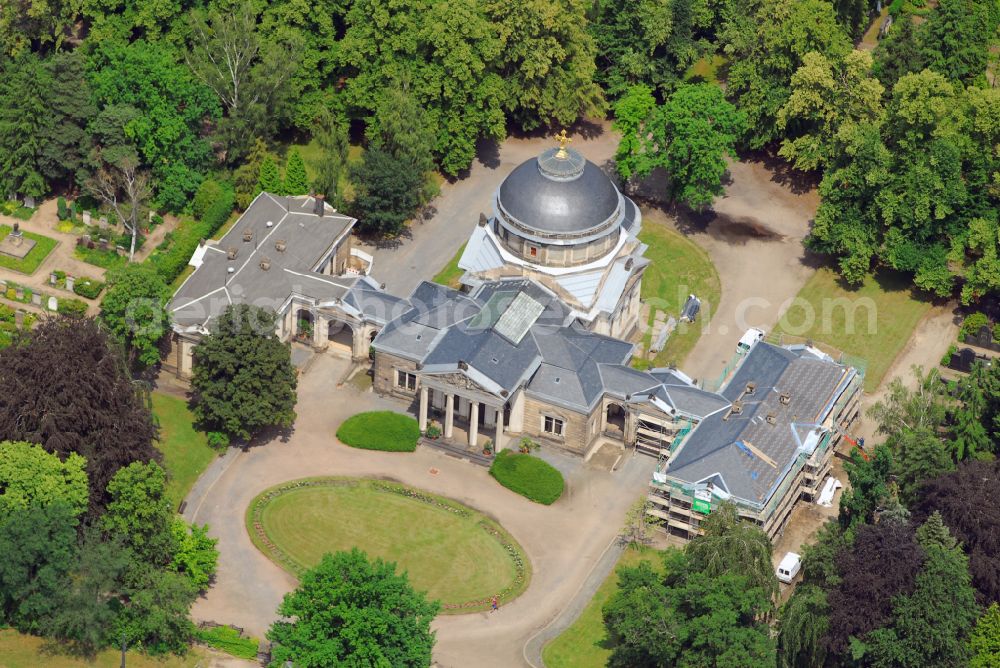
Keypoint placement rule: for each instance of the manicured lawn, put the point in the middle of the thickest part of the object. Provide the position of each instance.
(452, 552)
(872, 322)
(679, 267)
(227, 639)
(380, 430)
(29, 263)
(312, 154)
(108, 259)
(186, 453)
(450, 273)
(584, 644)
(22, 651)
(529, 476)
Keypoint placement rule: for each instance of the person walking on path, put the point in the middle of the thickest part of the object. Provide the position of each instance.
(494, 604)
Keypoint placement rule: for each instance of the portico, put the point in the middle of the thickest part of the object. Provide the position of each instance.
(459, 402)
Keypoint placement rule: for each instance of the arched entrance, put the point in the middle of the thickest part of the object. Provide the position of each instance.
(304, 325)
(615, 419)
(341, 337)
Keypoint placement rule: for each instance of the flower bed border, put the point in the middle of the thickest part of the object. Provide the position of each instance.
(522, 568)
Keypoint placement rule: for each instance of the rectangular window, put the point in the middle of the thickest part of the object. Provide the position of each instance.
(533, 251)
(405, 380)
(552, 425)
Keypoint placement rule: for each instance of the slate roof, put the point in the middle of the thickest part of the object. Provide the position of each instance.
(559, 361)
(308, 239)
(726, 448)
(585, 200)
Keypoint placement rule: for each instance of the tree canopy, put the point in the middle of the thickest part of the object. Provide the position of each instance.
(349, 610)
(65, 387)
(243, 379)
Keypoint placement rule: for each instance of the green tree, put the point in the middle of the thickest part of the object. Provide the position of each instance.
(905, 409)
(243, 68)
(632, 111)
(141, 513)
(730, 544)
(984, 642)
(196, 555)
(687, 618)
(956, 38)
(689, 136)
(918, 455)
(348, 610)
(296, 181)
(898, 53)
(24, 123)
(802, 625)
(64, 141)
(156, 614)
(546, 61)
(824, 96)
(648, 42)
(243, 377)
(168, 136)
(766, 48)
(331, 137)
(870, 486)
(246, 178)
(134, 311)
(388, 192)
(30, 477)
(39, 546)
(269, 178)
(91, 598)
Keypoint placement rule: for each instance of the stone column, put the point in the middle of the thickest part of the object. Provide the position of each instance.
(318, 333)
(449, 420)
(422, 420)
(474, 424)
(498, 442)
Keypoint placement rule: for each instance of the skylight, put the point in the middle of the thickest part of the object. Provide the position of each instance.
(518, 318)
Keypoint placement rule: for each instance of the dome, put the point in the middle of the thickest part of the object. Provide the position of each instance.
(560, 193)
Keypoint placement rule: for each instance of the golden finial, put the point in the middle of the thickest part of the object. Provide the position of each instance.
(563, 140)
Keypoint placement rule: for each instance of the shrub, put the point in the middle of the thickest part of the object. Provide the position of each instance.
(208, 192)
(996, 333)
(62, 211)
(972, 324)
(529, 476)
(218, 212)
(172, 256)
(380, 430)
(946, 359)
(88, 287)
(73, 308)
(6, 313)
(217, 440)
(227, 639)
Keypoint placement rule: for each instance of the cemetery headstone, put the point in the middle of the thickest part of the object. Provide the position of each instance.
(53, 278)
(104, 244)
(19, 293)
(70, 281)
(53, 304)
(19, 318)
(86, 217)
(3, 286)
(103, 221)
(29, 201)
(36, 299)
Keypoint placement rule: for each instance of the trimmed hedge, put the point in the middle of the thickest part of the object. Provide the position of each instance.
(529, 476)
(88, 287)
(227, 639)
(171, 256)
(73, 308)
(380, 430)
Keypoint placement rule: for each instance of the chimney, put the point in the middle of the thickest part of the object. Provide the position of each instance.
(319, 209)
(280, 245)
(483, 221)
(265, 263)
(231, 253)
(785, 398)
(247, 235)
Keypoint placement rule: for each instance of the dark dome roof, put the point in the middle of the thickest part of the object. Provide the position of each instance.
(559, 193)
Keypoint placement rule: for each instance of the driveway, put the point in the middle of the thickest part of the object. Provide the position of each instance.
(563, 541)
(753, 235)
(431, 243)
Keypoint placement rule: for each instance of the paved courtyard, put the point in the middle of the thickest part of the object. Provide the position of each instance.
(563, 541)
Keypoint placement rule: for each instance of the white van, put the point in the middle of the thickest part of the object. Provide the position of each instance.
(749, 340)
(789, 567)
